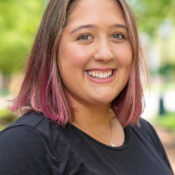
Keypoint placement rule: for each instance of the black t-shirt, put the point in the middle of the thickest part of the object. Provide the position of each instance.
(34, 145)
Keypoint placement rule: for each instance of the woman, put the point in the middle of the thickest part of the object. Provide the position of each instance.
(82, 98)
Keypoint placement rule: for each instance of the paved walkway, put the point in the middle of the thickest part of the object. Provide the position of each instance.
(168, 140)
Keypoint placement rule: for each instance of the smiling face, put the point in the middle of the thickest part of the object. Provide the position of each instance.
(95, 54)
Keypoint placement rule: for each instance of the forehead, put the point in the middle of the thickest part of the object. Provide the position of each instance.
(95, 11)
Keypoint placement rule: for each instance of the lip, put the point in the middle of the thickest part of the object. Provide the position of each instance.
(101, 80)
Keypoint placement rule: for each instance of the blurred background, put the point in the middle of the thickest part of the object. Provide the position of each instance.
(20, 19)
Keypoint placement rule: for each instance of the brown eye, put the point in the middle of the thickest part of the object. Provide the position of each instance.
(85, 37)
(118, 36)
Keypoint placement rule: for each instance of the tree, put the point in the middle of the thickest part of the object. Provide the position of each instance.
(19, 21)
(151, 13)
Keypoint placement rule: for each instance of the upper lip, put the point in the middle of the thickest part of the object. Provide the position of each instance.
(100, 69)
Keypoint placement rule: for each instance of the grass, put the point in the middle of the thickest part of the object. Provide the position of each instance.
(167, 120)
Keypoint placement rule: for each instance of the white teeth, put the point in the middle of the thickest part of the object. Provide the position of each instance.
(105, 75)
(99, 74)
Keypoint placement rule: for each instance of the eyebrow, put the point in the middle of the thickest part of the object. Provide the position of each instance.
(83, 27)
(119, 26)
(93, 26)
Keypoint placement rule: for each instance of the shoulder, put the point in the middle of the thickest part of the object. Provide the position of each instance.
(30, 130)
(32, 119)
(20, 141)
(36, 145)
(36, 122)
(147, 132)
(25, 146)
(34, 127)
(144, 127)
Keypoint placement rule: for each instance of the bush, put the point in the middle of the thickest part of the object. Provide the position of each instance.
(167, 120)
(6, 117)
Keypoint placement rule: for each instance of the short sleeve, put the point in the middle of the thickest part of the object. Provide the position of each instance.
(156, 140)
(23, 150)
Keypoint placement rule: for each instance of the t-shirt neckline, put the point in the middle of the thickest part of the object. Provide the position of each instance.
(118, 148)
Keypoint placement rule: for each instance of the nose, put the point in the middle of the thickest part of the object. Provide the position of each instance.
(103, 51)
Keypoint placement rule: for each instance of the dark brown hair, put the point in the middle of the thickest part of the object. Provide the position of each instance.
(42, 89)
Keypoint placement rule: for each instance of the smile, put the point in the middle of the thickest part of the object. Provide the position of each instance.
(100, 74)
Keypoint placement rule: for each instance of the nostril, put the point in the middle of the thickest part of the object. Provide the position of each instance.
(104, 51)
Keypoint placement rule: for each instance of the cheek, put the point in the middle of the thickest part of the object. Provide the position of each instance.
(124, 56)
(74, 55)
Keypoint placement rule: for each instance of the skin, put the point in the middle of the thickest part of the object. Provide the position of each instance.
(95, 39)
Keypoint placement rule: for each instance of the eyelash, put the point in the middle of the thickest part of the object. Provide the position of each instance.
(84, 35)
(120, 36)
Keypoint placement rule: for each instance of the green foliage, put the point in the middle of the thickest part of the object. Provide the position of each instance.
(6, 118)
(167, 70)
(7, 115)
(4, 113)
(4, 92)
(19, 21)
(2, 127)
(167, 120)
(151, 13)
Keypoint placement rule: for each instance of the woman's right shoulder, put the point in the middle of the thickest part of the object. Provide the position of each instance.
(31, 125)
(22, 132)
(23, 145)
(28, 119)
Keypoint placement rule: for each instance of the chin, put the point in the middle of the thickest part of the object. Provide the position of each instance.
(104, 100)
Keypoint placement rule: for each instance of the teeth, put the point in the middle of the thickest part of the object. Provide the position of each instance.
(105, 75)
(100, 74)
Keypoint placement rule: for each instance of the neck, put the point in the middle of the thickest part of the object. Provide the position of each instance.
(99, 122)
(92, 116)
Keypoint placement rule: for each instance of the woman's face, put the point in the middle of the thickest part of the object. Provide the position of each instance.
(95, 54)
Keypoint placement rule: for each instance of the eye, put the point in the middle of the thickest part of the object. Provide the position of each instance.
(118, 36)
(85, 37)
